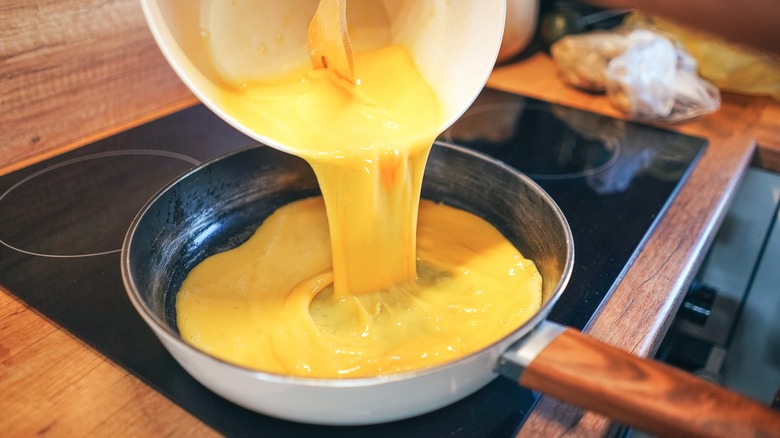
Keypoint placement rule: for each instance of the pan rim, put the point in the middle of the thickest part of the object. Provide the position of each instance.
(525, 329)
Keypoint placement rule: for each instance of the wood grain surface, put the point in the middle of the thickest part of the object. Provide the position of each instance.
(52, 384)
(638, 313)
(75, 71)
(646, 394)
(72, 72)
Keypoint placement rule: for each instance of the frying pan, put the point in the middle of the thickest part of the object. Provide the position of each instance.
(218, 205)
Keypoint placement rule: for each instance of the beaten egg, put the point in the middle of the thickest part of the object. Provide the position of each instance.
(366, 280)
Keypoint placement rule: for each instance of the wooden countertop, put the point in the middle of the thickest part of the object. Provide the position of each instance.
(53, 384)
(639, 312)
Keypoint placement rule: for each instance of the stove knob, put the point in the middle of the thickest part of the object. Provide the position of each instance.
(697, 305)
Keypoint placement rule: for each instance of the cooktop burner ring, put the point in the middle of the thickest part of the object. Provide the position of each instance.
(21, 183)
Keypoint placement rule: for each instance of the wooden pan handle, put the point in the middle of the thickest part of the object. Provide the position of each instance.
(646, 394)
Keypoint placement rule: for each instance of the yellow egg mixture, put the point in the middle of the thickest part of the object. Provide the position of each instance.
(368, 288)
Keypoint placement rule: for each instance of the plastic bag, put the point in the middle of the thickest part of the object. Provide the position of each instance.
(643, 73)
(730, 67)
(582, 59)
(654, 80)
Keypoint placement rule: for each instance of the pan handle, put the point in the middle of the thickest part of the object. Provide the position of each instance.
(572, 367)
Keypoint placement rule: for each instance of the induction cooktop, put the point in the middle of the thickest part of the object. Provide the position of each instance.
(64, 221)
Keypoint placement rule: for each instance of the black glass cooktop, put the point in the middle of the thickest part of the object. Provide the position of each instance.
(63, 222)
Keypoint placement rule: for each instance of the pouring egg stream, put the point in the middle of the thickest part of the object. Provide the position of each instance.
(367, 279)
